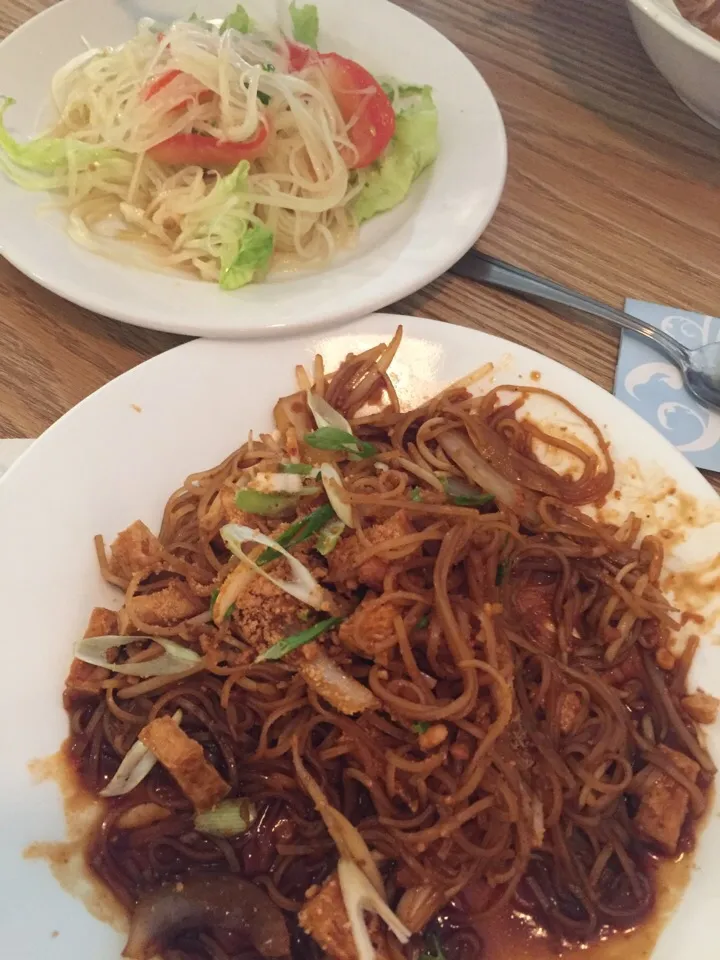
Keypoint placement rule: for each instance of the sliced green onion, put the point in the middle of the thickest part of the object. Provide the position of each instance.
(423, 622)
(416, 494)
(325, 415)
(229, 611)
(228, 819)
(298, 532)
(331, 438)
(303, 586)
(213, 598)
(175, 659)
(302, 468)
(333, 483)
(263, 504)
(421, 726)
(465, 495)
(136, 765)
(328, 537)
(278, 650)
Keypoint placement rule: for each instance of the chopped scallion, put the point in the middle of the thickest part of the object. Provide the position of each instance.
(299, 531)
(332, 438)
(422, 726)
(278, 650)
(465, 495)
(302, 468)
(263, 504)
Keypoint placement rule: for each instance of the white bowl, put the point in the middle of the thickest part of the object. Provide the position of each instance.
(688, 58)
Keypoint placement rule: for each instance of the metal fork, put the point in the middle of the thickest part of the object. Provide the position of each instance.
(700, 367)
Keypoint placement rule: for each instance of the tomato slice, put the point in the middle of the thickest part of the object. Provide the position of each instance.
(361, 100)
(204, 96)
(196, 149)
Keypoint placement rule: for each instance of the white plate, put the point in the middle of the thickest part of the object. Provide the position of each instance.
(395, 254)
(105, 464)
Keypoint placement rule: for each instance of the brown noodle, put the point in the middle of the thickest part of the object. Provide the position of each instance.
(497, 617)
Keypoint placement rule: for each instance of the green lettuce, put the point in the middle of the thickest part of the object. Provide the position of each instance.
(221, 227)
(414, 147)
(252, 256)
(44, 163)
(238, 20)
(305, 24)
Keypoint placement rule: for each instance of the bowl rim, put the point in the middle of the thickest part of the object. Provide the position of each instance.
(679, 27)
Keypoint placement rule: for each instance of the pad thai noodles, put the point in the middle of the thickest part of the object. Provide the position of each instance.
(704, 14)
(225, 149)
(379, 676)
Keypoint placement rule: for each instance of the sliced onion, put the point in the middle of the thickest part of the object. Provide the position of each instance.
(359, 895)
(344, 692)
(304, 587)
(459, 448)
(332, 479)
(325, 415)
(347, 838)
(136, 765)
(175, 659)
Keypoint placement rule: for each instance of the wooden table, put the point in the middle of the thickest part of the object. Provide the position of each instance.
(614, 188)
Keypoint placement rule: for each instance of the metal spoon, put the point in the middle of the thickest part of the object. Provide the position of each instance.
(700, 367)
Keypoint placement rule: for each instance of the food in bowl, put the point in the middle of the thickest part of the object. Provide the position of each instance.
(224, 149)
(380, 660)
(704, 14)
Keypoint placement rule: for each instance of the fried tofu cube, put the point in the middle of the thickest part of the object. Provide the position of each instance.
(171, 604)
(569, 707)
(325, 918)
(85, 680)
(664, 803)
(185, 761)
(371, 626)
(701, 707)
(133, 550)
(344, 566)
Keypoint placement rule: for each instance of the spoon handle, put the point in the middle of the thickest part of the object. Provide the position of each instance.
(496, 273)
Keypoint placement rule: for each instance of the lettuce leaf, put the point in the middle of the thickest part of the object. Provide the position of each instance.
(238, 20)
(414, 147)
(43, 163)
(252, 256)
(305, 23)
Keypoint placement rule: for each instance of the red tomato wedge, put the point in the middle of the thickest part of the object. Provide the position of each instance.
(196, 149)
(204, 96)
(361, 100)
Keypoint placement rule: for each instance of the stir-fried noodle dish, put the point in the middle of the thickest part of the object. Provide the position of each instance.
(379, 677)
(225, 149)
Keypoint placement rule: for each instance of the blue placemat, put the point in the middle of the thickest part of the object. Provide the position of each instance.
(646, 381)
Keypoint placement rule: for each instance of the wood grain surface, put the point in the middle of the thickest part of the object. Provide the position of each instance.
(614, 188)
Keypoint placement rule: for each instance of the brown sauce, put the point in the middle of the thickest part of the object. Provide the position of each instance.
(509, 935)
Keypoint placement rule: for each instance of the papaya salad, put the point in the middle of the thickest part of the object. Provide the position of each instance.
(224, 149)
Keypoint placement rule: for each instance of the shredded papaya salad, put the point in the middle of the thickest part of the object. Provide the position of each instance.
(224, 149)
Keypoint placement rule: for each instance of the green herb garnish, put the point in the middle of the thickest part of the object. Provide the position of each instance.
(422, 726)
(332, 438)
(298, 532)
(213, 598)
(305, 24)
(416, 494)
(329, 536)
(303, 468)
(423, 622)
(263, 504)
(464, 495)
(278, 650)
(238, 20)
(228, 612)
